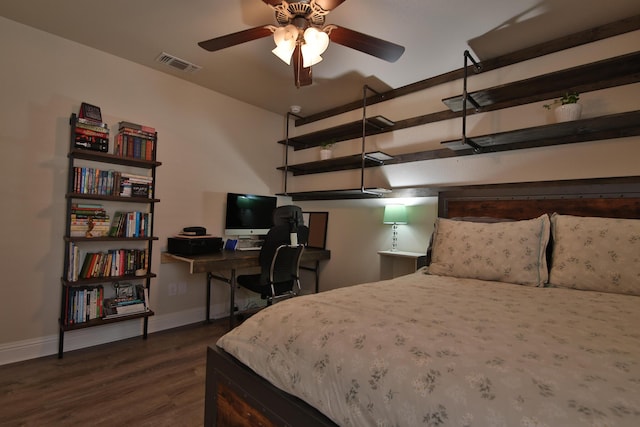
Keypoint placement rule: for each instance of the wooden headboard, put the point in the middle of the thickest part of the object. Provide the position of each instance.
(605, 197)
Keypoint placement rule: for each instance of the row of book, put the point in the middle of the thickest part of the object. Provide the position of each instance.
(110, 263)
(91, 220)
(130, 224)
(88, 180)
(83, 304)
(136, 141)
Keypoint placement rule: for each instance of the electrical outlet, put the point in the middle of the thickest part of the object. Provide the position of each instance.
(182, 288)
(173, 289)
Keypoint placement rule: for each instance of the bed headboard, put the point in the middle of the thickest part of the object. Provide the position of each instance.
(604, 197)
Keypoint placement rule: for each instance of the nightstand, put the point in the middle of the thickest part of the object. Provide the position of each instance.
(398, 263)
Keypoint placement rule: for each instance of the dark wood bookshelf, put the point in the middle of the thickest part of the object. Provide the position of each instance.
(110, 198)
(77, 158)
(105, 321)
(98, 280)
(98, 156)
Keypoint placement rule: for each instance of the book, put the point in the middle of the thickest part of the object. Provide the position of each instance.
(136, 127)
(89, 122)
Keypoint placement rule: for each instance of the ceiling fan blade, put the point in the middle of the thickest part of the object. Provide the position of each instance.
(235, 38)
(325, 4)
(368, 44)
(301, 75)
(329, 4)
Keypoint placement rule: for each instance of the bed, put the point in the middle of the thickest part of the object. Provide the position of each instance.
(478, 338)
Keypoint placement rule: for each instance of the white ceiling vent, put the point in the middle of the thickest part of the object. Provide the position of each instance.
(177, 63)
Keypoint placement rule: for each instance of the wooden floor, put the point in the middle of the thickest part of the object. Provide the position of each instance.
(134, 382)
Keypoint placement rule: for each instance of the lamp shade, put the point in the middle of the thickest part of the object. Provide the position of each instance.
(395, 214)
(315, 43)
(285, 39)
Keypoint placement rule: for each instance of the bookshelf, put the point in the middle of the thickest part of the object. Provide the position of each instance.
(108, 241)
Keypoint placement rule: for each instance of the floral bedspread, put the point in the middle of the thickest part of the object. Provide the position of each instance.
(424, 350)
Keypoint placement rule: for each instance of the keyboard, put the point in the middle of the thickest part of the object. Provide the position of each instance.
(249, 248)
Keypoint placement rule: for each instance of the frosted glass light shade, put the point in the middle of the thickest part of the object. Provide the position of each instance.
(285, 39)
(315, 43)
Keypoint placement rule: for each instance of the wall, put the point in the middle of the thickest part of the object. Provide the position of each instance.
(206, 145)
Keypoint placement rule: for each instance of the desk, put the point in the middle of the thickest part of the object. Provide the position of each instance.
(234, 260)
(398, 263)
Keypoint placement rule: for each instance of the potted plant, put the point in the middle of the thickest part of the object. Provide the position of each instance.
(325, 150)
(569, 108)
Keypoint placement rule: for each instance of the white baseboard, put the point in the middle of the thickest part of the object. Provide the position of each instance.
(73, 340)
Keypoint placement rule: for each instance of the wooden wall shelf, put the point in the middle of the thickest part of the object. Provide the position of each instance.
(352, 130)
(598, 128)
(607, 73)
(603, 74)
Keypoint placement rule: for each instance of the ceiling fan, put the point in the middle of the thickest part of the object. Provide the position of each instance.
(302, 36)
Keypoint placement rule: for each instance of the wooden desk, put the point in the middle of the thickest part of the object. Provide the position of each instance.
(213, 264)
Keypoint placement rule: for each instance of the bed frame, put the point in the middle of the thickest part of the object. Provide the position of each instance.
(236, 396)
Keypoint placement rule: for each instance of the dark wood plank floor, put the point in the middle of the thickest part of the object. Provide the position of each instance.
(134, 382)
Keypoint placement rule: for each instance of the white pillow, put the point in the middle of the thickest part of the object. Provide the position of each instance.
(513, 252)
(597, 254)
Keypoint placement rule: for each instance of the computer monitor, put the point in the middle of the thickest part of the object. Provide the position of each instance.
(249, 214)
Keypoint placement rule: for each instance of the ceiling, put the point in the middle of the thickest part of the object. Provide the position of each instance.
(434, 32)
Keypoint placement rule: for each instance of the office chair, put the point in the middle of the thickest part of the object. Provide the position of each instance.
(279, 260)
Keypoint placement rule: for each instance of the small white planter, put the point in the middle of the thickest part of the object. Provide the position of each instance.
(568, 112)
(325, 154)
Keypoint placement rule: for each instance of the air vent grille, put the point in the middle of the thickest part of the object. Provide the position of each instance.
(177, 63)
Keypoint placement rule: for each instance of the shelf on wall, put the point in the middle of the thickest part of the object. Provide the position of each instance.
(597, 128)
(349, 193)
(337, 163)
(610, 72)
(605, 127)
(352, 130)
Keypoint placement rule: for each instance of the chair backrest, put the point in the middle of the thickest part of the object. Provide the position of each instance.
(284, 215)
(277, 236)
(285, 266)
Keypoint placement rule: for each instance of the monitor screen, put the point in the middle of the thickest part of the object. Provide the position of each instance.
(249, 214)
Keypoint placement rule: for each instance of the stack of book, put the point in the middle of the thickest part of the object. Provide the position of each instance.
(91, 133)
(89, 220)
(131, 185)
(133, 301)
(83, 304)
(136, 141)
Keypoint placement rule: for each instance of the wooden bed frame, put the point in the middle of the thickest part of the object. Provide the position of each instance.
(236, 396)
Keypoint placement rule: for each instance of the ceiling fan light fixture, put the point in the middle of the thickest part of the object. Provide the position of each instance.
(284, 52)
(285, 39)
(315, 43)
(309, 58)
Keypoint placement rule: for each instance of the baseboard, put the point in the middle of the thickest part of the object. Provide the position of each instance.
(73, 340)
